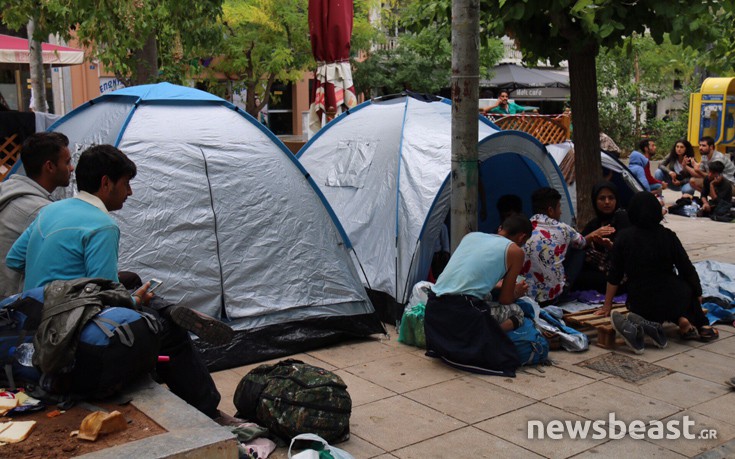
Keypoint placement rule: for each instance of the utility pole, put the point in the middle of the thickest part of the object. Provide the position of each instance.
(465, 93)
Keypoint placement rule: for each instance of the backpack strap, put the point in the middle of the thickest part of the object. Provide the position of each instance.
(123, 330)
(153, 324)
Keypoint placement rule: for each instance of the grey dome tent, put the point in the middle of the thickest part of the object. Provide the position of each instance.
(384, 167)
(230, 221)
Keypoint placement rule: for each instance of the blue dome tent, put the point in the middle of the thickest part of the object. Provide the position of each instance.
(230, 221)
(384, 167)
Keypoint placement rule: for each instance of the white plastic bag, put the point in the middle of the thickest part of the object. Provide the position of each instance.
(312, 454)
(419, 293)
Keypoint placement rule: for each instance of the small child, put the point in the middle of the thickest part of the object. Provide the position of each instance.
(716, 194)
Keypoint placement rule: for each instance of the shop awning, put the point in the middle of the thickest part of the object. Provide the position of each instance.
(14, 50)
(510, 76)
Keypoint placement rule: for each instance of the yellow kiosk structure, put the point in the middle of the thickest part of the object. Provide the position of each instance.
(712, 113)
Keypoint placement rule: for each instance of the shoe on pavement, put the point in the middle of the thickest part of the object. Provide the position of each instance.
(653, 329)
(632, 334)
(205, 327)
(731, 382)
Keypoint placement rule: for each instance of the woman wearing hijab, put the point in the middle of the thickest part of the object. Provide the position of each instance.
(647, 253)
(606, 204)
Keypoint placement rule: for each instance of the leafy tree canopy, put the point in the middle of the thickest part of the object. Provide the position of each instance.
(422, 59)
(117, 32)
(268, 41)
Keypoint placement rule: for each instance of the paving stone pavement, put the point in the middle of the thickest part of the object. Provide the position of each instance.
(409, 406)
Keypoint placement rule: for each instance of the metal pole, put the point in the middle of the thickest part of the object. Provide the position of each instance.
(465, 92)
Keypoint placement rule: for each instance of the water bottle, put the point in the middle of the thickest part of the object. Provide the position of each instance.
(24, 354)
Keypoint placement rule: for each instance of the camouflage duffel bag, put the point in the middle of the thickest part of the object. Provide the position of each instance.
(292, 397)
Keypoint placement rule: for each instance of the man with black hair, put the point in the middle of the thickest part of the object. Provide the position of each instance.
(464, 326)
(546, 249)
(708, 154)
(509, 204)
(47, 162)
(716, 193)
(505, 107)
(77, 238)
(639, 164)
(481, 261)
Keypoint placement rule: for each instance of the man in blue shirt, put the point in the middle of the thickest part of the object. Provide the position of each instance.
(76, 238)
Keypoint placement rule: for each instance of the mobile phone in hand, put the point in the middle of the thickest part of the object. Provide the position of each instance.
(154, 284)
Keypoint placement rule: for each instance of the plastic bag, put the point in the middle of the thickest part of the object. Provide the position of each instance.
(571, 340)
(324, 451)
(419, 293)
(411, 331)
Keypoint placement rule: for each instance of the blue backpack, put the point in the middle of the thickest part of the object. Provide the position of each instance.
(19, 318)
(532, 346)
(116, 347)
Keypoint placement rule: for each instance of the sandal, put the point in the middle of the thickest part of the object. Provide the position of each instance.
(691, 334)
(707, 334)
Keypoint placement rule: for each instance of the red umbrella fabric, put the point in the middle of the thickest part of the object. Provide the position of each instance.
(330, 29)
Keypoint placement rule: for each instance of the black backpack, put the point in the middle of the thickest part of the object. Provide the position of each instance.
(292, 397)
(116, 347)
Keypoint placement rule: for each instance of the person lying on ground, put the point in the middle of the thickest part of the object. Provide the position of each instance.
(716, 194)
(606, 204)
(673, 170)
(663, 285)
(77, 238)
(47, 162)
(546, 249)
(480, 262)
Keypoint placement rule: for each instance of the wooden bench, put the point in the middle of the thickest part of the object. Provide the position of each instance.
(591, 324)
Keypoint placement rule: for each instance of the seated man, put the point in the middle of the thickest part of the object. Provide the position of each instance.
(47, 162)
(699, 170)
(639, 164)
(546, 249)
(716, 194)
(481, 261)
(457, 299)
(76, 238)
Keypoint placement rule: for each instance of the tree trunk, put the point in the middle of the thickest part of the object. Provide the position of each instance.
(465, 93)
(38, 79)
(586, 119)
(146, 62)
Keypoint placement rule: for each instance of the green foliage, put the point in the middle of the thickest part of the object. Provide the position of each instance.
(268, 41)
(666, 133)
(115, 32)
(551, 29)
(619, 92)
(422, 60)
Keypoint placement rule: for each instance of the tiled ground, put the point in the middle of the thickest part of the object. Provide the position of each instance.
(408, 406)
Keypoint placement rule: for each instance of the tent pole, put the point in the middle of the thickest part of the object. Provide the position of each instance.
(465, 93)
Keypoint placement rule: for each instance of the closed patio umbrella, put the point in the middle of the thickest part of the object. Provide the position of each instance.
(330, 30)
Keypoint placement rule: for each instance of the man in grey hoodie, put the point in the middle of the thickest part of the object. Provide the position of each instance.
(47, 162)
